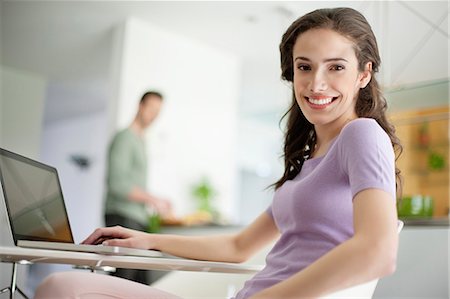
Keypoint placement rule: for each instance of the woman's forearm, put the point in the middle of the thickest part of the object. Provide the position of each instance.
(226, 248)
(234, 248)
(221, 248)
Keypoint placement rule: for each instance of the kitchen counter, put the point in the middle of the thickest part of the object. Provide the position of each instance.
(442, 221)
(208, 229)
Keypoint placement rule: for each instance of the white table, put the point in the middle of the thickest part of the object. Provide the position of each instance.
(93, 261)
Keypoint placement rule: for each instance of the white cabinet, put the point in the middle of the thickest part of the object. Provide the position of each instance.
(422, 265)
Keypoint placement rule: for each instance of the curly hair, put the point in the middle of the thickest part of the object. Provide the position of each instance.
(300, 134)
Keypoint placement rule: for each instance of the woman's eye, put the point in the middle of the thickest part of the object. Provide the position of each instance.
(337, 67)
(303, 67)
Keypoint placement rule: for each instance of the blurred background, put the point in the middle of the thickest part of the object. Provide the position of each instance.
(72, 73)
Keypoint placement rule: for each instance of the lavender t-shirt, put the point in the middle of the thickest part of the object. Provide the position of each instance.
(314, 211)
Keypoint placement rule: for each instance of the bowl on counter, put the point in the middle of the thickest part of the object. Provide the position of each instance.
(415, 206)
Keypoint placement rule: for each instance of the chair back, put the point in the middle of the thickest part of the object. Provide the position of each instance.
(361, 291)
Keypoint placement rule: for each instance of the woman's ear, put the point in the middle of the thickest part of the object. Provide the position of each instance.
(366, 75)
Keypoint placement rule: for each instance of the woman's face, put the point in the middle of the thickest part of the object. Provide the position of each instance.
(326, 77)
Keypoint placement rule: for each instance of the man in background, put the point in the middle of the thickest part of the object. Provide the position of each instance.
(127, 201)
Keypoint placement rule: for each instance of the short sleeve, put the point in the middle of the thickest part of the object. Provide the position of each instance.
(269, 211)
(367, 156)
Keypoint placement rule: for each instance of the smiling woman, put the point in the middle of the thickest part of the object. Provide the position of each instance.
(333, 216)
(331, 65)
(326, 78)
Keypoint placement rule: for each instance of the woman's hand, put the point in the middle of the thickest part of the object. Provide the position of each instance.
(119, 236)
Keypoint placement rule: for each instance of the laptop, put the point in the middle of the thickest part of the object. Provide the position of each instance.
(37, 212)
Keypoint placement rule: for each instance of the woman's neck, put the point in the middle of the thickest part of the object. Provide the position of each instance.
(325, 134)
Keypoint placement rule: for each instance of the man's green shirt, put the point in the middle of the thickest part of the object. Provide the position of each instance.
(127, 168)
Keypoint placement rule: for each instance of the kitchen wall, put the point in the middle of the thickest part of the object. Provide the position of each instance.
(22, 97)
(417, 96)
(21, 101)
(195, 135)
(420, 114)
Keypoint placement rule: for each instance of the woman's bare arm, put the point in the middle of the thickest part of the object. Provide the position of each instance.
(371, 253)
(225, 248)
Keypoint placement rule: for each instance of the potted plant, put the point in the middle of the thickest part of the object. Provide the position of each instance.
(204, 193)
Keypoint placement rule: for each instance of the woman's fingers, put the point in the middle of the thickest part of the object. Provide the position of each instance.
(118, 236)
(133, 242)
(118, 242)
(101, 234)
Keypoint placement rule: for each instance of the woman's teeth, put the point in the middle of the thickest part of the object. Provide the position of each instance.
(323, 101)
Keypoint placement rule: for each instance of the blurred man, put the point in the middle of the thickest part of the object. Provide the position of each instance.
(127, 201)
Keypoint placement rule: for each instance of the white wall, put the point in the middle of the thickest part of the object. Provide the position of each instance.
(82, 188)
(21, 105)
(195, 135)
(260, 146)
(22, 97)
(263, 101)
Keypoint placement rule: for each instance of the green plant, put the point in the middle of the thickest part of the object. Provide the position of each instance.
(204, 193)
(436, 161)
(154, 223)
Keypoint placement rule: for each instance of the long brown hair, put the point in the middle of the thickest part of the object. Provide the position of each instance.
(300, 135)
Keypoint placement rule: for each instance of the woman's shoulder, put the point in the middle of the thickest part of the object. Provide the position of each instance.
(363, 132)
(362, 128)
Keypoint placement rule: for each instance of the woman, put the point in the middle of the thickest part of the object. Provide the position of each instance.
(334, 211)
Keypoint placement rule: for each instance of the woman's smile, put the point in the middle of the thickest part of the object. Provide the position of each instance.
(320, 102)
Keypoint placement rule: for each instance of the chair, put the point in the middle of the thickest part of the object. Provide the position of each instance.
(201, 285)
(364, 290)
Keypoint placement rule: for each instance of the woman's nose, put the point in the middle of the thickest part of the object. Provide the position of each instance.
(318, 82)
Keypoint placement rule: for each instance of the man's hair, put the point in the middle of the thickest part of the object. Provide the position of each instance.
(149, 94)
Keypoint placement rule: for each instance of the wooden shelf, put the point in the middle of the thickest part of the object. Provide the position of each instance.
(414, 162)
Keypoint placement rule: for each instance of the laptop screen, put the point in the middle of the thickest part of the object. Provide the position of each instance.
(34, 200)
